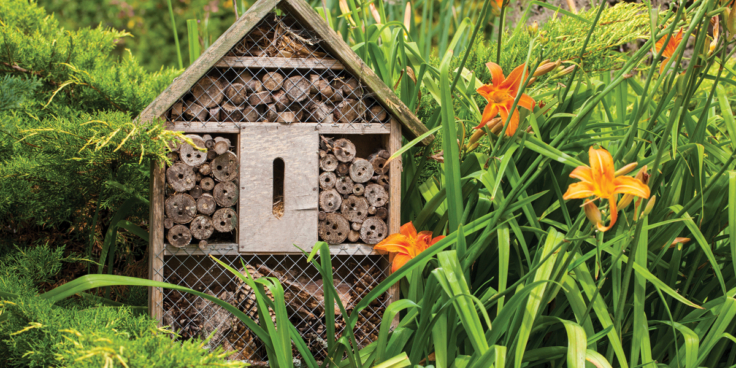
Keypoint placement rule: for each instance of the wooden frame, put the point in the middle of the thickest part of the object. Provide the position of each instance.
(402, 123)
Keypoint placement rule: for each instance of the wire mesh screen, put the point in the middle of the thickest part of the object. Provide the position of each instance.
(356, 273)
(279, 72)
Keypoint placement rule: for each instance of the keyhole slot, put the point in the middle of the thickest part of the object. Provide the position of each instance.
(278, 187)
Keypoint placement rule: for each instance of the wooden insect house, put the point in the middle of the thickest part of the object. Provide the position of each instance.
(292, 132)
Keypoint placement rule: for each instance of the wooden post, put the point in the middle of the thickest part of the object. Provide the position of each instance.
(156, 246)
(393, 144)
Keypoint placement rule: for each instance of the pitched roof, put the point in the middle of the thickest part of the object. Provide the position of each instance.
(303, 12)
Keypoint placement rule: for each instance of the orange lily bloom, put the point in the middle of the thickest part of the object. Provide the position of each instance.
(669, 49)
(406, 245)
(500, 96)
(600, 181)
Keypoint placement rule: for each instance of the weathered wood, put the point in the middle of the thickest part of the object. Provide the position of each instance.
(173, 157)
(236, 93)
(156, 238)
(271, 113)
(379, 165)
(334, 229)
(251, 83)
(330, 200)
(373, 230)
(297, 88)
(372, 210)
(328, 163)
(196, 192)
(382, 180)
(260, 230)
(350, 87)
(230, 112)
(327, 180)
(322, 215)
(181, 208)
(168, 223)
(201, 227)
(256, 63)
(208, 92)
(376, 114)
(344, 185)
(205, 168)
(343, 169)
(321, 111)
(206, 204)
(226, 194)
(195, 112)
(225, 167)
(344, 150)
(382, 213)
(179, 236)
(376, 195)
(260, 98)
(225, 220)
(356, 226)
(392, 143)
(361, 170)
(211, 155)
(203, 245)
(355, 209)
(176, 112)
(358, 189)
(181, 177)
(191, 156)
(280, 100)
(350, 111)
(287, 117)
(353, 236)
(273, 81)
(221, 147)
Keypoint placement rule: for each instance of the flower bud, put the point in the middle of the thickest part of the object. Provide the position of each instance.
(650, 206)
(495, 125)
(473, 146)
(641, 175)
(626, 169)
(533, 28)
(592, 213)
(477, 135)
(729, 18)
(546, 67)
(565, 71)
(531, 81)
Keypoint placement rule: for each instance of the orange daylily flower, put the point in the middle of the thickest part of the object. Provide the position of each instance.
(500, 96)
(600, 181)
(669, 49)
(406, 245)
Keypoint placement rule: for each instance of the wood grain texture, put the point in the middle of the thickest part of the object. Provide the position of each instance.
(261, 231)
(323, 128)
(301, 10)
(156, 239)
(393, 144)
(207, 60)
(277, 63)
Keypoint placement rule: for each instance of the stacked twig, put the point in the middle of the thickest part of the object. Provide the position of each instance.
(201, 191)
(353, 195)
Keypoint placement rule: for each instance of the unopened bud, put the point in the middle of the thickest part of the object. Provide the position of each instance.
(650, 206)
(495, 125)
(626, 169)
(473, 146)
(592, 213)
(565, 71)
(546, 67)
(477, 135)
(729, 17)
(531, 81)
(641, 175)
(533, 28)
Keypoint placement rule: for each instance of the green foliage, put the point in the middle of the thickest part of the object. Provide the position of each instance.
(36, 332)
(67, 138)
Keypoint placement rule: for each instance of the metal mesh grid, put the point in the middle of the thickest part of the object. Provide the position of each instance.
(356, 273)
(279, 72)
